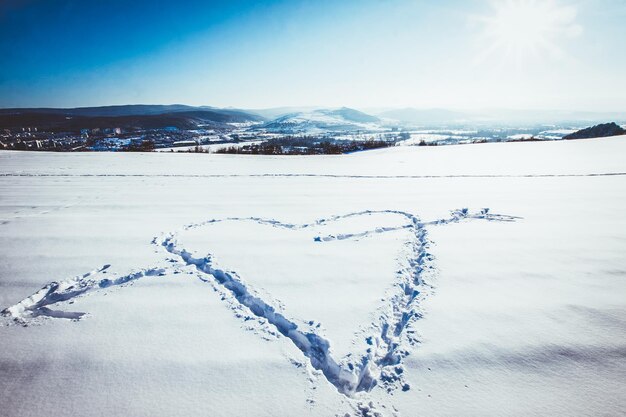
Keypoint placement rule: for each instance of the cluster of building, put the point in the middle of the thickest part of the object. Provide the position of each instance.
(172, 138)
(30, 138)
(108, 139)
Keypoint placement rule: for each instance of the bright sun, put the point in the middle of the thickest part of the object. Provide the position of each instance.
(522, 29)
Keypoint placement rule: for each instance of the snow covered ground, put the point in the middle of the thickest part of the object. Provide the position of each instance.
(478, 280)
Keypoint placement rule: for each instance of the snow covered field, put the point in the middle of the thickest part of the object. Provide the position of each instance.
(475, 280)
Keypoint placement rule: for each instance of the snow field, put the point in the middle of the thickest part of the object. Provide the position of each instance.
(520, 315)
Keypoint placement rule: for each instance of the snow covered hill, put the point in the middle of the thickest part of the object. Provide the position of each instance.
(125, 117)
(324, 120)
(478, 280)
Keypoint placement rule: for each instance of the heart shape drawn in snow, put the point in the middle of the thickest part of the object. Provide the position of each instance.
(321, 277)
(364, 273)
(341, 270)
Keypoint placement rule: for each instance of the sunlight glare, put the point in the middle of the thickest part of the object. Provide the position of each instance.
(521, 28)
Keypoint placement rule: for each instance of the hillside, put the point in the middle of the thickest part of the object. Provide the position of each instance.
(597, 131)
(323, 120)
(126, 117)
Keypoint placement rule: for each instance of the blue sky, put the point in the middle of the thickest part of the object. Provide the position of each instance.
(561, 54)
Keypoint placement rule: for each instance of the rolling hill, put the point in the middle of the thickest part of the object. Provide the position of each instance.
(126, 117)
(323, 120)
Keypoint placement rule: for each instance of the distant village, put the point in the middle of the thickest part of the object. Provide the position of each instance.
(115, 139)
(195, 140)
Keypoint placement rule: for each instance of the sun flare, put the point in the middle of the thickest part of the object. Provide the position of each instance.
(525, 29)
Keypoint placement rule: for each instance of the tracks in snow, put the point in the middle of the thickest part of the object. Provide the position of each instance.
(305, 175)
(58, 291)
(388, 344)
(311, 345)
(388, 339)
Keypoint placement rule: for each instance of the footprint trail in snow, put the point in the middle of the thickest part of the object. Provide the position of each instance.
(389, 338)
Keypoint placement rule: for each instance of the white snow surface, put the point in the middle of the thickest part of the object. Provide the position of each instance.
(227, 285)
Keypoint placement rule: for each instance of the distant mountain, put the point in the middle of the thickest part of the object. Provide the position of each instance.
(424, 116)
(107, 111)
(125, 117)
(597, 131)
(435, 117)
(276, 112)
(323, 120)
(521, 116)
(351, 115)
